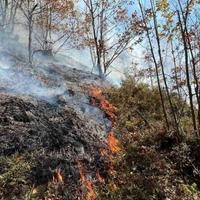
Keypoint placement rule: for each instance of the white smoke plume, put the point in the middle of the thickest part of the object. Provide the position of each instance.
(16, 76)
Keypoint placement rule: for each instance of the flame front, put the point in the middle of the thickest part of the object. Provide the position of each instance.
(99, 178)
(104, 104)
(113, 143)
(90, 195)
(58, 178)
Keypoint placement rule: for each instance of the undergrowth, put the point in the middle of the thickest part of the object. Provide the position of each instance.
(156, 164)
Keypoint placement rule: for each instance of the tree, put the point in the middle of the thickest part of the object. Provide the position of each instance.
(174, 26)
(8, 11)
(164, 6)
(107, 30)
(29, 9)
(58, 19)
(183, 15)
(147, 29)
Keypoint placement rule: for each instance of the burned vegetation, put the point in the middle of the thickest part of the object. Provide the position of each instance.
(51, 146)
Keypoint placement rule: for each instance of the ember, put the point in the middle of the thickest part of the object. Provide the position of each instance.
(58, 178)
(100, 100)
(110, 110)
(99, 178)
(90, 194)
(113, 143)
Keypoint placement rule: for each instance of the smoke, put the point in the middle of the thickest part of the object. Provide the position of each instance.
(42, 80)
(21, 83)
(17, 77)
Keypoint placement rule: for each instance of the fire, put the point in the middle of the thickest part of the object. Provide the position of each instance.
(90, 195)
(95, 92)
(99, 178)
(113, 143)
(108, 108)
(58, 178)
(113, 187)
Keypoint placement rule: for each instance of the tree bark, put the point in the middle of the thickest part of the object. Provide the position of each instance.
(30, 39)
(187, 73)
(156, 66)
(162, 69)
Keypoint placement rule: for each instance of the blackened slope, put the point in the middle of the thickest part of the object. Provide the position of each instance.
(49, 136)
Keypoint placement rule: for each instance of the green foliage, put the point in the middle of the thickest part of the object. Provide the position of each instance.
(190, 190)
(14, 172)
(154, 161)
(136, 103)
(139, 107)
(138, 174)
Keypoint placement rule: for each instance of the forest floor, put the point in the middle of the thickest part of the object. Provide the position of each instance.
(49, 137)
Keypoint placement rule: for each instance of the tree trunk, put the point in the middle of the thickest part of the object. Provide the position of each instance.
(156, 67)
(30, 40)
(188, 73)
(162, 69)
(99, 67)
(196, 80)
(175, 70)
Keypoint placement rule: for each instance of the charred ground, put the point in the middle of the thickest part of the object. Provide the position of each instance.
(44, 137)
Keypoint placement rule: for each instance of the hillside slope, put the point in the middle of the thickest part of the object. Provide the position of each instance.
(48, 126)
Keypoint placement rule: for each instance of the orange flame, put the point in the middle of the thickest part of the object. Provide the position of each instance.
(113, 187)
(104, 105)
(113, 143)
(100, 178)
(58, 178)
(87, 184)
(110, 153)
(95, 92)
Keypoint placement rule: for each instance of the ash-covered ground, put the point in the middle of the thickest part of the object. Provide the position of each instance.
(47, 122)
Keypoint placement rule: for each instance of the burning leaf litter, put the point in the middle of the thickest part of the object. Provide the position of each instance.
(53, 135)
(56, 134)
(86, 183)
(58, 177)
(100, 100)
(113, 143)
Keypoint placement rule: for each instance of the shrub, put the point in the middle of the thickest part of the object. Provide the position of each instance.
(153, 163)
